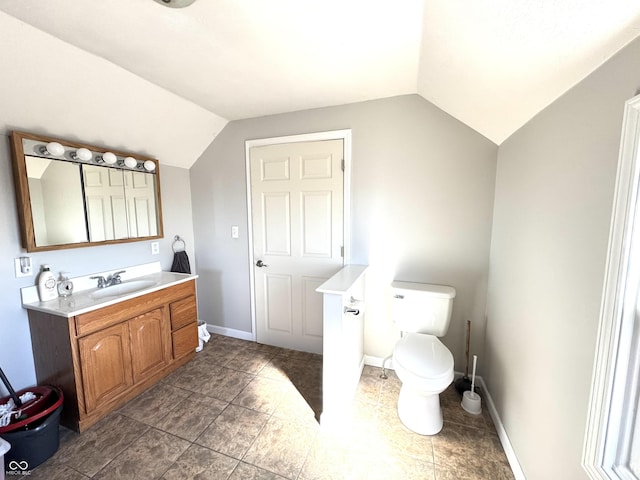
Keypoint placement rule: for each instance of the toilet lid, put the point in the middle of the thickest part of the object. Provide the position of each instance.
(423, 355)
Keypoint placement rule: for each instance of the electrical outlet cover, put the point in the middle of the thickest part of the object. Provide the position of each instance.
(23, 270)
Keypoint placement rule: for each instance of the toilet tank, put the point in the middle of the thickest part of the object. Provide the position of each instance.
(422, 307)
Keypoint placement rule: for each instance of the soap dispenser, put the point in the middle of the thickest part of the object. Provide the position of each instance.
(65, 286)
(46, 284)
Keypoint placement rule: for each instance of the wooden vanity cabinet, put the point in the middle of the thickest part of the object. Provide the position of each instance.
(103, 358)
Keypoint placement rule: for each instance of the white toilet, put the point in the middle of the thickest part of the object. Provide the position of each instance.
(424, 365)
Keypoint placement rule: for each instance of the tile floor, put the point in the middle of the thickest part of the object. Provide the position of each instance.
(241, 410)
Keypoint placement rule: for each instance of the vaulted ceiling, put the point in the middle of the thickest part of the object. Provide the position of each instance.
(492, 64)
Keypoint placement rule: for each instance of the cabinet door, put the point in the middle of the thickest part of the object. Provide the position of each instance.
(105, 362)
(150, 343)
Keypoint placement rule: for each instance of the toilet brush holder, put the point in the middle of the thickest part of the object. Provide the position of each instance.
(471, 402)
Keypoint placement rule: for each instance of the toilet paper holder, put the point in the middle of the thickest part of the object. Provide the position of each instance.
(351, 309)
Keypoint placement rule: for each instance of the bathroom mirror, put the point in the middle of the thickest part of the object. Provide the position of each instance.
(73, 195)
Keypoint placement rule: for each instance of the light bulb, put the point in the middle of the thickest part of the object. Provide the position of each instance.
(131, 162)
(109, 158)
(175, 3)
(149, 166)
(83, 154)
(52, 148)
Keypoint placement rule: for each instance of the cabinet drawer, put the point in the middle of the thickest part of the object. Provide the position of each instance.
(185, 340)
(183, 312)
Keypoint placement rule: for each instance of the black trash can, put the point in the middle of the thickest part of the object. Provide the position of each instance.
(32, 445)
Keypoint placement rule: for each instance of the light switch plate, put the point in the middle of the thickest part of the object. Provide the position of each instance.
(155, 248)
(234, 231)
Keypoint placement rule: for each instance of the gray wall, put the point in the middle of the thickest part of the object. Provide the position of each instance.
(422, 198)
(15, 342)
(554, 194)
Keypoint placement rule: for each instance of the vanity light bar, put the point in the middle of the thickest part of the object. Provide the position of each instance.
(86, 156)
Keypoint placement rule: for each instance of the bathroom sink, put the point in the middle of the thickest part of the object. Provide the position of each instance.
(122, 288)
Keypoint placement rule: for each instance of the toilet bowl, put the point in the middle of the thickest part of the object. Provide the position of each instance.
(423, 364)
(425, 368)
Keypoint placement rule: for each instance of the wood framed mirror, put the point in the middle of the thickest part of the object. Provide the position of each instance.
(72, 195)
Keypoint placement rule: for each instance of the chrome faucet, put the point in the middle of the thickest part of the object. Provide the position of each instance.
(113, 279)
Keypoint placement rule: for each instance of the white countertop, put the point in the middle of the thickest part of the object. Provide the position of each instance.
(342, 281)
(83, 301)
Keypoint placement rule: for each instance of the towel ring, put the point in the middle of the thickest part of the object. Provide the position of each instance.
(176, 247)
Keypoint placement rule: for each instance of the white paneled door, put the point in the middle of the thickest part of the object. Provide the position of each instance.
(141, 203)
(297, 215)
(105, 200)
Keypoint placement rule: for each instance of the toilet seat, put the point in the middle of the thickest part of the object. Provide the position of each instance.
(424, 358)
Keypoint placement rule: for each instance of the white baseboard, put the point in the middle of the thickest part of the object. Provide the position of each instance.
(377, 361)
(230, 332)
(502, 433)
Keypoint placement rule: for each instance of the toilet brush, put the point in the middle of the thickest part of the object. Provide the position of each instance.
(473, 374)
(463, 383)
(471, 401)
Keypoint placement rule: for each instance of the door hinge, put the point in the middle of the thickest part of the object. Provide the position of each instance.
(342, 251)
(342, 164)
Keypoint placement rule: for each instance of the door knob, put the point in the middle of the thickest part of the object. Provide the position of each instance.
(260, 264)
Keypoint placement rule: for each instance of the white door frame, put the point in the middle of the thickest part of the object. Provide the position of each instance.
(615, 383)
(345, 136)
